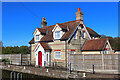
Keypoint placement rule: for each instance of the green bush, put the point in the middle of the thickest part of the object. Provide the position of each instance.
(5, 60)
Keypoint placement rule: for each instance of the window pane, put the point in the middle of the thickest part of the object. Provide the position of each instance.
(75, 36)
(57, 34)
(57, 55)
(83, 34)
(37, 37)
(72, 52)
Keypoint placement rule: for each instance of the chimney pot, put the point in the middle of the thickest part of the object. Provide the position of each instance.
(79, 9)
(43, 19)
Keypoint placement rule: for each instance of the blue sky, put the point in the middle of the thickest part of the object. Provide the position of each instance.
(19, 20)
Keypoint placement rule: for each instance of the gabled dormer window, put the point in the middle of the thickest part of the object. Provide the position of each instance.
(57, 35)
(37, 37)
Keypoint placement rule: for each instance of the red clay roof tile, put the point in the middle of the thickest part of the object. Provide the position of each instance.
(72, 26)
(95, 44)
(45, 45)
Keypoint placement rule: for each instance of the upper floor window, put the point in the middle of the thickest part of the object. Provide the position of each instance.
(37, 37)
(57, 34)
(72, 52)
(57, 55)
(75, 37)
(105, 51)
(83, 34)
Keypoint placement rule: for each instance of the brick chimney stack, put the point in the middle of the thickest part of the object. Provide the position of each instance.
(43, 23)
(79, 15)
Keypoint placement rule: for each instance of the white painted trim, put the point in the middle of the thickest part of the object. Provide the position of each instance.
(55, 27)
(109, 45)
(86, 31)
(73, 32)
(40, 48)
(35, 31)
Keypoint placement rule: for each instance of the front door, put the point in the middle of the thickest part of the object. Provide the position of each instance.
(40, 58)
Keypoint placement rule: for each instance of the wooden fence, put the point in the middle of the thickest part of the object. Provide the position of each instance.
(100, 61)
(19, 59)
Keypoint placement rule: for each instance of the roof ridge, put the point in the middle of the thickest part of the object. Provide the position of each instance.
(62, 23)
(67, 22)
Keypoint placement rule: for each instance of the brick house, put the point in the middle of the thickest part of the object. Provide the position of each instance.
(54, 43)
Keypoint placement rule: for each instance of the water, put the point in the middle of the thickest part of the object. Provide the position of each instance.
(6, 76)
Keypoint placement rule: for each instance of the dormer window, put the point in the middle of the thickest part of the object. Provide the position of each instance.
(37, 37)
(57, 34)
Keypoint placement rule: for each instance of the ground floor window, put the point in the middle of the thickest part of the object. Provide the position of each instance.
(57, 55)
(72, 52)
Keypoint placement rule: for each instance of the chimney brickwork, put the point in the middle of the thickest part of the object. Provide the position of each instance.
(43, 23)
(79, 16)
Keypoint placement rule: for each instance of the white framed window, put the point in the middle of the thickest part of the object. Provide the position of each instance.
(72, 52)
(57, 55)
(75, 36)
(37, 37)
(57, 34)
(105, 51)
(83, 34)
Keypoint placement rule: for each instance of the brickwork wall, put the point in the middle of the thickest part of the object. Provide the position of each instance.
(33, 46)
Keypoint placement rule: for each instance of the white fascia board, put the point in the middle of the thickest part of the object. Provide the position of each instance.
(109, 45)
(86, 31)
(73, 32)
(38, 45)
(55, 27)
(36, 31)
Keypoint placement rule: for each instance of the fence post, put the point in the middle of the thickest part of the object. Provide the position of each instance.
(28, 62)
(53, 65)
(93, 69)
(69, 68)
(20, 59)
(103, 61)
(83, 61)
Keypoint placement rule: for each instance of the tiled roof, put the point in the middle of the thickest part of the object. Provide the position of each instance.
(95, 44)
(71, 25)
(115, 49)
(42, 30)
(45, 45)
(32, 41)
(92, 32)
